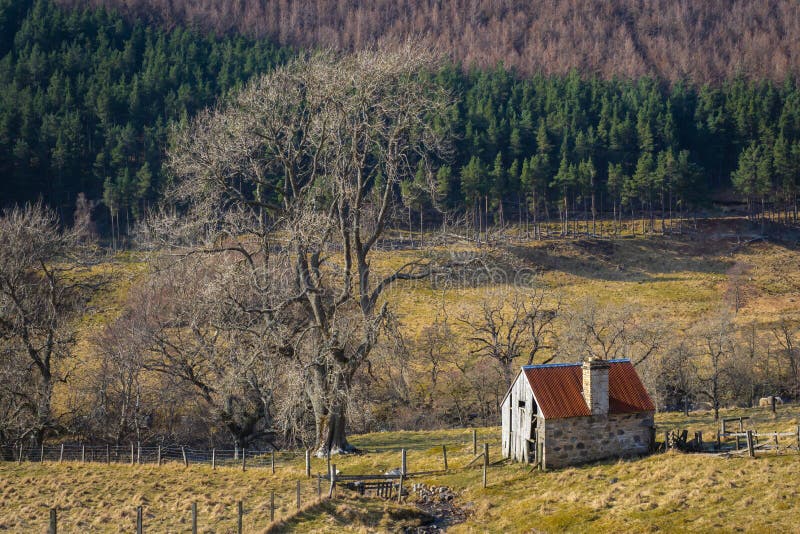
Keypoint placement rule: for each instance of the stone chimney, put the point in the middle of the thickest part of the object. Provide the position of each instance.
(595, 385)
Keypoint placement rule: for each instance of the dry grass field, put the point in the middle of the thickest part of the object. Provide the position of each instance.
(101, 498)
(663, 492)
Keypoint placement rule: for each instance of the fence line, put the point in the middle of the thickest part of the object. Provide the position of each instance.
(280, 508)
(135, 453)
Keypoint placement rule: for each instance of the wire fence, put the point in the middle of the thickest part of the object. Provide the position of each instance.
(139, 454)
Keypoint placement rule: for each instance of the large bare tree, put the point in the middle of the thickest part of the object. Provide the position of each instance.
(44, 287)
(298, 175)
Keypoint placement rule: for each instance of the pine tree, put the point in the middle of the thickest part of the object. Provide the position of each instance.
(640, 185)
(565, 181)
(751, 177)
(498, 187)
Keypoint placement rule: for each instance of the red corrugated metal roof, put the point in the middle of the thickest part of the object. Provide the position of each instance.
(558, 389)
(626, 393)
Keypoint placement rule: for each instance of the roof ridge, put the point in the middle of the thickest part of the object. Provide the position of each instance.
(546, 365)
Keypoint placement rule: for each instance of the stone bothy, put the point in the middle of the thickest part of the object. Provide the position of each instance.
(565, 414)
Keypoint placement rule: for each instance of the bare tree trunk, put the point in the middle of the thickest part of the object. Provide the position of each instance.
(330, 410)
(43, 410)
(421, 230)
(486, 214)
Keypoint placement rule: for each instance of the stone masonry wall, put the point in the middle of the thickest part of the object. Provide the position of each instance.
(576, 440)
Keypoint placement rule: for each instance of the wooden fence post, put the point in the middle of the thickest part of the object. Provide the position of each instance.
(139, 452)
(139, 522)
(332, 476)
(61, 454)
(485, 462)
(194, 518)
(272, 461)
(328, 460)
(272, 506)
(474, 442)
(539, 453)
(185, 459)
(798, 438)
(108, 454)
(403, 469)
(213, 458)
(308, 463)
(244, 459)
(400, 490)
(158, 459)
(444, 456)
(235, 451)
(240, 512)
(777, 446)
(131, 453)
(53, 522)
(750, 451)
(298, 494)
(83, 453)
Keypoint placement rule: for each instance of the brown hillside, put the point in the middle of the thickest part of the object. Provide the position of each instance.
(702, 40)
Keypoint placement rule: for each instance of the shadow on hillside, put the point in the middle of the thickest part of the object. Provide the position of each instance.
(638, 259)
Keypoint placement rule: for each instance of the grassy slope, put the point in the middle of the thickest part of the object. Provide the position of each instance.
(679, 278)
(662, 492)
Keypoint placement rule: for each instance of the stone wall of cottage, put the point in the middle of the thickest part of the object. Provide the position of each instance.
(576, 440)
